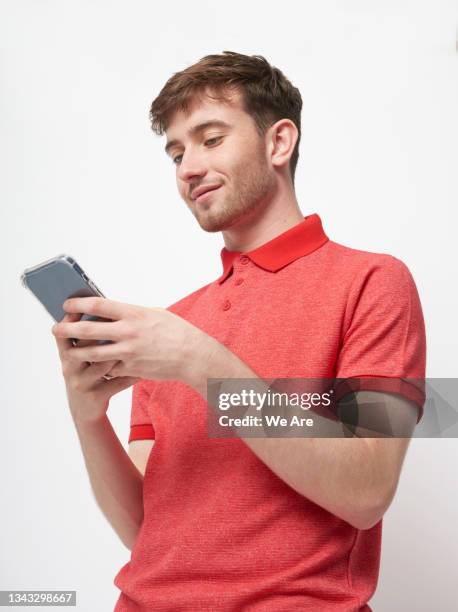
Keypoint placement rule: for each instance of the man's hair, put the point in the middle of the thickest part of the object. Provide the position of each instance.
(267, 95)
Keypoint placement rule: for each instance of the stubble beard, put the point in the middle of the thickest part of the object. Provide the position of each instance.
(251, 190)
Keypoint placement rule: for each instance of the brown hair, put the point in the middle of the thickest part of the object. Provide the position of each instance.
(267, 95)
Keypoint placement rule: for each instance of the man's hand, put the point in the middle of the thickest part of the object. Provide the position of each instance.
(87, 392)
(150, 343)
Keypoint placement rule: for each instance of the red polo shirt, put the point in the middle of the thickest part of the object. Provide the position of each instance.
(221, 531)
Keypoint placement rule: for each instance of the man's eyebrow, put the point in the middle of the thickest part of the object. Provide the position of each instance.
(200, 127)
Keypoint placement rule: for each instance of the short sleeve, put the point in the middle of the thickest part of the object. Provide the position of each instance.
(384, 340)
(141, 427)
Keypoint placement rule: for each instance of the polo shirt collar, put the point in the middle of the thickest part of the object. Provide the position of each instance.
(298, 241)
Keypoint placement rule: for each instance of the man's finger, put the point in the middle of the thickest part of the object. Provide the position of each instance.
(87, 330)
(106, 352)
(96, 371)
(98, 306)
(64, 344)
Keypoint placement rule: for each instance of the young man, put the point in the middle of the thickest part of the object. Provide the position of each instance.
(265, 524)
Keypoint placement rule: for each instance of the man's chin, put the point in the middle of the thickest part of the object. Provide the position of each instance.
(213, 223)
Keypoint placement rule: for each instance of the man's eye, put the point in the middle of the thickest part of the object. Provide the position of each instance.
(211, 141)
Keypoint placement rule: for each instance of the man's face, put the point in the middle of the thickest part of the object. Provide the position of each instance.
(229, 157)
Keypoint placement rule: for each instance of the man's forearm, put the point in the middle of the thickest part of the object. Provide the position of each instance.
(339, 474)
(115, 481)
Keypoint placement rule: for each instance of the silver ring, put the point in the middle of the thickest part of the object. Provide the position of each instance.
(108, 376)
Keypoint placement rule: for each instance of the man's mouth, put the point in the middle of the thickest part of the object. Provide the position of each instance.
(201, 192)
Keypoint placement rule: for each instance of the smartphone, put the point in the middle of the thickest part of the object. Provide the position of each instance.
(57, 279)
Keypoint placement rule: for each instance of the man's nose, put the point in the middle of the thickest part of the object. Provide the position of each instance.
(191, 166)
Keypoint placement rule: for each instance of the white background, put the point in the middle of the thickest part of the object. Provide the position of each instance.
(83, 174)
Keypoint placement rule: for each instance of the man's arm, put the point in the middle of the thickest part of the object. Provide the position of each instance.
(353, 478)
(116, 482)
(139, 451)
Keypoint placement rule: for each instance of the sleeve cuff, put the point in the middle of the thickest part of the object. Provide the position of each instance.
(142, 432)
(410, 389)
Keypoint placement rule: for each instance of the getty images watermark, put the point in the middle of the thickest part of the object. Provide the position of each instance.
(367, 406)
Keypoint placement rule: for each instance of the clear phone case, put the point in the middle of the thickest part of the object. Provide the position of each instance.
(57, 279)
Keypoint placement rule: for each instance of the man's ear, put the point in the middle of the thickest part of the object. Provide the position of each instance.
(282, 138)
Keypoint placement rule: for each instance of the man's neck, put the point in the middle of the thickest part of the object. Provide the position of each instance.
(275, 219)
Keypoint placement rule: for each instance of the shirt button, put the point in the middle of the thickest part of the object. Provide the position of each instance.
(238, 281)
(244, 259)
(226, 305)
